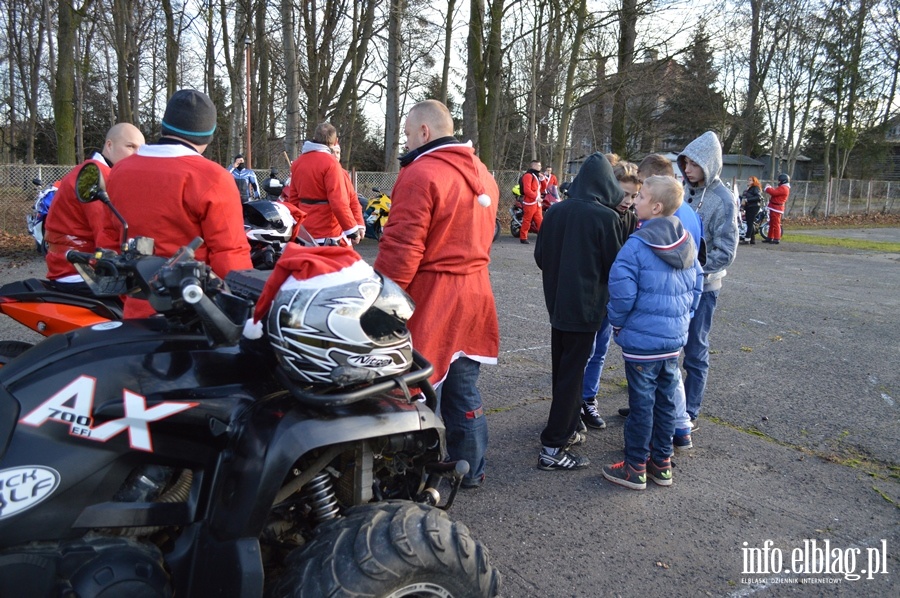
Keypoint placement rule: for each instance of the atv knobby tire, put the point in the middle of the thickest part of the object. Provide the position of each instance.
(390, 549)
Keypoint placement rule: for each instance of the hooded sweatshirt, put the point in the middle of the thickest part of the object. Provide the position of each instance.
(579, 240)
(716, 206)
(436, 245)
(654, 287)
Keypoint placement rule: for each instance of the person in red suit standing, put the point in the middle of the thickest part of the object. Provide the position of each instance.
(532, 187)
(320, 188)
(436, 246)
(80, 226)
(168, 191)
(778, 197)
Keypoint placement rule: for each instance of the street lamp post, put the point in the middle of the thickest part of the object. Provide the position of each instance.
(249, 157)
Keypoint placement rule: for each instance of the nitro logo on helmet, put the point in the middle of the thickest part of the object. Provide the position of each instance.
(369, 361)
(74, 405)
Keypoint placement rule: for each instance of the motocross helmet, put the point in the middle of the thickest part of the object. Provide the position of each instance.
(268, 221)
(343, 328)
(783, 179)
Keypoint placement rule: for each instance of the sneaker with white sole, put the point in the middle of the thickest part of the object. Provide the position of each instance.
(590, 416)
(681, 441)
(623, 474)
(562, 460)
(660, 472)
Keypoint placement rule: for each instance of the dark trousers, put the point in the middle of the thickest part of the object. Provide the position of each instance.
(569, 353)
(750, 212)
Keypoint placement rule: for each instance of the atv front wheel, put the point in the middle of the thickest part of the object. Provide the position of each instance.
(391, 549)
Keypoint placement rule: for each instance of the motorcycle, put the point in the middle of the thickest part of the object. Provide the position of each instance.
(760, 223)
(376, 211)
(517, 212)
(38, 214)
(269, 226)
(168, 457)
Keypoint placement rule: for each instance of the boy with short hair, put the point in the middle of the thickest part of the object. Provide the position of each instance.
(654, 286)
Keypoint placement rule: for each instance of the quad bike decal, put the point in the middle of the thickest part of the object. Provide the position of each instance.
(24, 487)
(80, 419)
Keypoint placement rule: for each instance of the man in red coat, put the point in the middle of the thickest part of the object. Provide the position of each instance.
(532, 187)
(320, 188)
(168, 191)
(778, 197)
(436, 245)
(74, 225)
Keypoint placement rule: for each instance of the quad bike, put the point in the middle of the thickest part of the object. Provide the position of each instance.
(43, 196)
(170, 457)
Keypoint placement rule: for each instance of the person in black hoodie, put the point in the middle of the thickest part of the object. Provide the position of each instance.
(750, 200)
(579, 240)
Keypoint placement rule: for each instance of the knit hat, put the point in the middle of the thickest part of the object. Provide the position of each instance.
(190, 115)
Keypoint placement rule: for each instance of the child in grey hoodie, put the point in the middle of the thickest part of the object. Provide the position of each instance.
(701, 163)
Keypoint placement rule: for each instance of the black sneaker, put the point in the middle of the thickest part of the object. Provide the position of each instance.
(590, 416)
(624, 411)
(660, 473)
(524, 242)
(623, 474)
(562, 460)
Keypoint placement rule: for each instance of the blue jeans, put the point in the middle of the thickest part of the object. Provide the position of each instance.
(696, 352)
(594, 369)
(652, 387)
(459, 405)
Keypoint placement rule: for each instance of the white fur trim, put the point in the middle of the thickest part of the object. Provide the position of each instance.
(359, 269)
(253, 330)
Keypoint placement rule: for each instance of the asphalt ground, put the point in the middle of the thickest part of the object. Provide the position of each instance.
(795, 465)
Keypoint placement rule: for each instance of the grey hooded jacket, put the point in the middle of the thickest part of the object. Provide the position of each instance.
(716, 206)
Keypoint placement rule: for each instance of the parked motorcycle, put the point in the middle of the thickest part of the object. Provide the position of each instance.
(760, 224)
(269, 226)
(376, 211)
(167, 457)
(517, 211)
(41, 207)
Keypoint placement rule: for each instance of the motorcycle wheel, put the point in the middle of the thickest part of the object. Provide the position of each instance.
(391, 549)
(764, 229)
(496, 230)
(9, 350)
(377, 231)
(515, 228)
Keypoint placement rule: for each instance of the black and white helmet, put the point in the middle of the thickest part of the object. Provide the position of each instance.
(268, 221)
(341, 328)
(783, 179)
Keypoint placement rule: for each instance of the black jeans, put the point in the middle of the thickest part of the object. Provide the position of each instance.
(569, 353)
(750, 212)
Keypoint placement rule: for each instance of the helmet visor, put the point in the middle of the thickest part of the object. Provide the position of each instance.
(385, 321)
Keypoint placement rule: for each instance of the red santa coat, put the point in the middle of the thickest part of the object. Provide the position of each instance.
(71, 224)
(173, 194)
(436, 245)
(531, 188)
(778, 197)
(318, 187)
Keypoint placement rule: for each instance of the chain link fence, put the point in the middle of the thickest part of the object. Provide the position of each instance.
(808, 198)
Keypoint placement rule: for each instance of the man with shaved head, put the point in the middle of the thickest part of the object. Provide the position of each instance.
(436, 245)
(71, 224)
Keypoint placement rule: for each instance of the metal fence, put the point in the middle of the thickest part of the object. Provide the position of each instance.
(807, 197)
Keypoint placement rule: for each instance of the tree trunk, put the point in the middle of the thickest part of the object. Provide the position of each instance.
(569, 90)
(448, 39)
(474, 95)
(291, 83)
(392, 115)
(627, 34)
(64, 98)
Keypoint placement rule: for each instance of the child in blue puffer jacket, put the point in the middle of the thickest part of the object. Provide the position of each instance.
(654, 286)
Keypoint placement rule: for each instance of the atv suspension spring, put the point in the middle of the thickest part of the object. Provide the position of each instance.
(320, 494)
